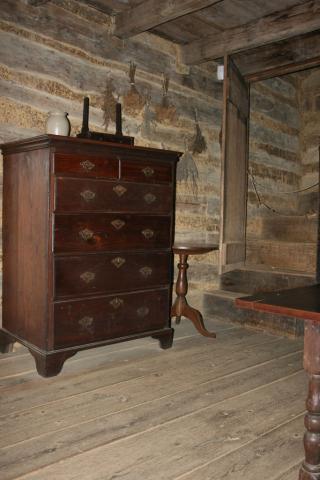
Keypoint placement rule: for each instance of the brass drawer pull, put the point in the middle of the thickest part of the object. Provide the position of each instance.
(145, 271)
(86, 234)
(143, 311)
(88, 277)
(87, 165)
(147, 233)
(86, 323)
(87, 195)
(116, 302)
(118, 262)
(149, 198)
(118, 224)
(119, 190)
(148, 171)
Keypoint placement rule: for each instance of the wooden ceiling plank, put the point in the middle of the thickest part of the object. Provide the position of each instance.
(231, 13)
(152, 13)
(279, 58)
(297, 20)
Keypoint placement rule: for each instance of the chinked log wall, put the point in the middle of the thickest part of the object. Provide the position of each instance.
(284, 158)
(309, 136)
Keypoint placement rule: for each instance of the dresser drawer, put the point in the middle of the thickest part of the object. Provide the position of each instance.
(86, 165)
(101, 232)
(113, 316)
(116, 272)
(87, 195)
(144, 171)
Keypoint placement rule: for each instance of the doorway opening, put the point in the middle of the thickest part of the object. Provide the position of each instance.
(269, 218)
(283, 173)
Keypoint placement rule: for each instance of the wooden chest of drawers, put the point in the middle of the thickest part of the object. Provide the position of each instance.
(88, 230)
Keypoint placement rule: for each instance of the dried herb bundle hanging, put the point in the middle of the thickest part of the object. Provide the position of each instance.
(165, 88)
(165, 112)
(149, 122)
(109, 104)
(199, 143)
(133, 101)
(187, 171)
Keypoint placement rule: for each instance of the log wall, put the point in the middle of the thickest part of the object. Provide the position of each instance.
(284, 142)
(310, 138)
(274, 150)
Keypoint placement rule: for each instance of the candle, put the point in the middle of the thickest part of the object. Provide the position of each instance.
(118, 119)
(85, 116)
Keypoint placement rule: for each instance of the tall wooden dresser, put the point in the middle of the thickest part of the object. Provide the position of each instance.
(87, 236)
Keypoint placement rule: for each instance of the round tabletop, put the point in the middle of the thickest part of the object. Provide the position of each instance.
(193, 248)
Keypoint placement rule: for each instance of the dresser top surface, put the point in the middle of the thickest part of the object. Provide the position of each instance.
(54, 141)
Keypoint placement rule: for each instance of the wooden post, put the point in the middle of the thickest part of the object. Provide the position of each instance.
(310, 469)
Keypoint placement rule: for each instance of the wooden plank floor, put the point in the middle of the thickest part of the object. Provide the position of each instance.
(230, 408)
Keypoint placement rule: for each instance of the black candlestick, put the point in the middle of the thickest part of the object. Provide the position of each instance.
(118, 119)
(85, 116)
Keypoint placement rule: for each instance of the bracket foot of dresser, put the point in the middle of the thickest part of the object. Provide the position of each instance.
(49, 365)
(6, 342)
(165, 338)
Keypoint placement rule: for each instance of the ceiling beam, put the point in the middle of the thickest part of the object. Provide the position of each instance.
(37, 3)
(279, 58)
(277, 26)
(152, 13)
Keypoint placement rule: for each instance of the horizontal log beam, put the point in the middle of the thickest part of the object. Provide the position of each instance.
(278, 26)
(152, 13)
(37, 3)
(279, 58)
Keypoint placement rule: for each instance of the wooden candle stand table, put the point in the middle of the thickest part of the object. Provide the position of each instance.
(181, 307)
(304, 303)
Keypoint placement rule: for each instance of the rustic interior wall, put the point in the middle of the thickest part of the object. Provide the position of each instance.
(309, 103)
(274, 156)
(53, 55)
(284, 142)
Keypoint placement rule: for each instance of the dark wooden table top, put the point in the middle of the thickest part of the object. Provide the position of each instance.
(301, 302)
(194, 248)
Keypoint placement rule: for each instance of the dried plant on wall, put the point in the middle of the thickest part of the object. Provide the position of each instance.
(109, 104)
(199, 143)
(133, 101)
(148, 125)
(187, 171)
(165, 111)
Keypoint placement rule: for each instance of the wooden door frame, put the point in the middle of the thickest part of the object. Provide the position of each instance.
(273, 62)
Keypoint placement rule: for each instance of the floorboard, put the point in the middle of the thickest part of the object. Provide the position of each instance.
(230, 408)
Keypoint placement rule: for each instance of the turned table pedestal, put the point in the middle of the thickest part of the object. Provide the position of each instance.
(181, 307)
(304, 303)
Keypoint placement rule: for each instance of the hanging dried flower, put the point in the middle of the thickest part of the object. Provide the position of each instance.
(187, 171)
(165, 111)
(109, 104)
(133, 101)
(149, 123)
(199, 142)
(165, 88)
